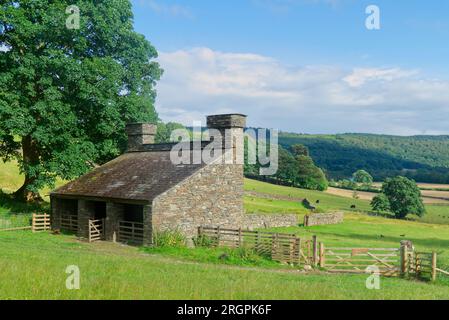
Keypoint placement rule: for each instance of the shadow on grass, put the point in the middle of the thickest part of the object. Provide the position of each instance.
(11, 206)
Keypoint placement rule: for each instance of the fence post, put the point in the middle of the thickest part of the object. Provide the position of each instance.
(103, 229)
(434, 266)
(404, 262)
(88, 231)
(298, 249)
(218, 236)
(47, 220)
(258, 240)
(273, 245)
(240, 237)
(33, 222)
(315, 251)
(322, 257)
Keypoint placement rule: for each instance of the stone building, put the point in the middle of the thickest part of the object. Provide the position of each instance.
(144, 190)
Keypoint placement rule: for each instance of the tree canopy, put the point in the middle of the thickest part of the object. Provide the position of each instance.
(309, 176)
(404, 197)
(67, 94)
(299, 171)
(380, 203)
(421, 158)
(363, 177)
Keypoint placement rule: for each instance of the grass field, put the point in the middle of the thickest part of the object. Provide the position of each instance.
(327, 201)
(429, 196)
(33, 267)
(11, 179)
(436, 213)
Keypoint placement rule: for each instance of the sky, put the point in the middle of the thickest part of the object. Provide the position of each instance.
(306, 66)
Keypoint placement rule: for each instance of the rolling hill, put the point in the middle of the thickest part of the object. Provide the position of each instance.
(423, 158)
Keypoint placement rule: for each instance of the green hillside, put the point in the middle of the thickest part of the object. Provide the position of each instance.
(423, 158)
(113, 271)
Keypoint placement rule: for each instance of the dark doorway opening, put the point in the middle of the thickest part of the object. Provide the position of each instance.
(99, 210)
(133, 213)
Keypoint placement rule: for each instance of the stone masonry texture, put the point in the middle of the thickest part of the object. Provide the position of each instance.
(317, 219)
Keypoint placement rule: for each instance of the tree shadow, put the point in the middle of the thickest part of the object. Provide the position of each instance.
(15, 207)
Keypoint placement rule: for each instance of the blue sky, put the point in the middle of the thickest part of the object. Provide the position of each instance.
(303, 65)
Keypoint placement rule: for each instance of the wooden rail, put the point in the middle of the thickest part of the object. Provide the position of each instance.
(130, 232)
(15, 222)
(357, 260)
(15, 228)
(69, 223)
(425, 265)
(96, 228)
(279, 246)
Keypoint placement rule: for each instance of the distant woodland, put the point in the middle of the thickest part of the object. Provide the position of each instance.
(422, 158)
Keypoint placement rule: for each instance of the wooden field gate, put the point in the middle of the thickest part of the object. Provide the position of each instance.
(384, 261)
(282, 247)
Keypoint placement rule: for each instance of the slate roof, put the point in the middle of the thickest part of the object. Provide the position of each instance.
(136, 176)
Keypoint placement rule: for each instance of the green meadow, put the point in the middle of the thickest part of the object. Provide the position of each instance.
(33, 265)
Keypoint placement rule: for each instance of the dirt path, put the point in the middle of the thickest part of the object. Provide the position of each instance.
(429, 197)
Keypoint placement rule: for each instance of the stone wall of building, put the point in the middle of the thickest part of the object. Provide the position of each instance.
(85, 208)
(317, 219)
(147, 226)
(114, 214)
(259, 221)
(211, 197)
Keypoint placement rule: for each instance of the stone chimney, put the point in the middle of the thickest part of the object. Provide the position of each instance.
(140, 134)
(231, 128)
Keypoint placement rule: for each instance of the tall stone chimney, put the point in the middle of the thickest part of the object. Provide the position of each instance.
(140, 134)
(231, 128)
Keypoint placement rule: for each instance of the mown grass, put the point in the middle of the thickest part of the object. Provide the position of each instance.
(226, 256)
(327, 201)
(11, 179)
(261, 205)
(33, 267)
(436, 214)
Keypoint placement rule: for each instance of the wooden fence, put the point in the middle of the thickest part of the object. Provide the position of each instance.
(96, 228)
(15, 222)
(392, 262)
(36, 223)
(40, 222)
(130, 232)
(357, 260)
(69, 223)
(279, 246)
(423, 265)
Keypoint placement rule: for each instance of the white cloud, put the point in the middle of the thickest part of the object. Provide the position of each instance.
(361, 75)
(159, 7)
(200, 81)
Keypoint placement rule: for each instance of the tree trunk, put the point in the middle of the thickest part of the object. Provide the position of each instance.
(30, 157)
